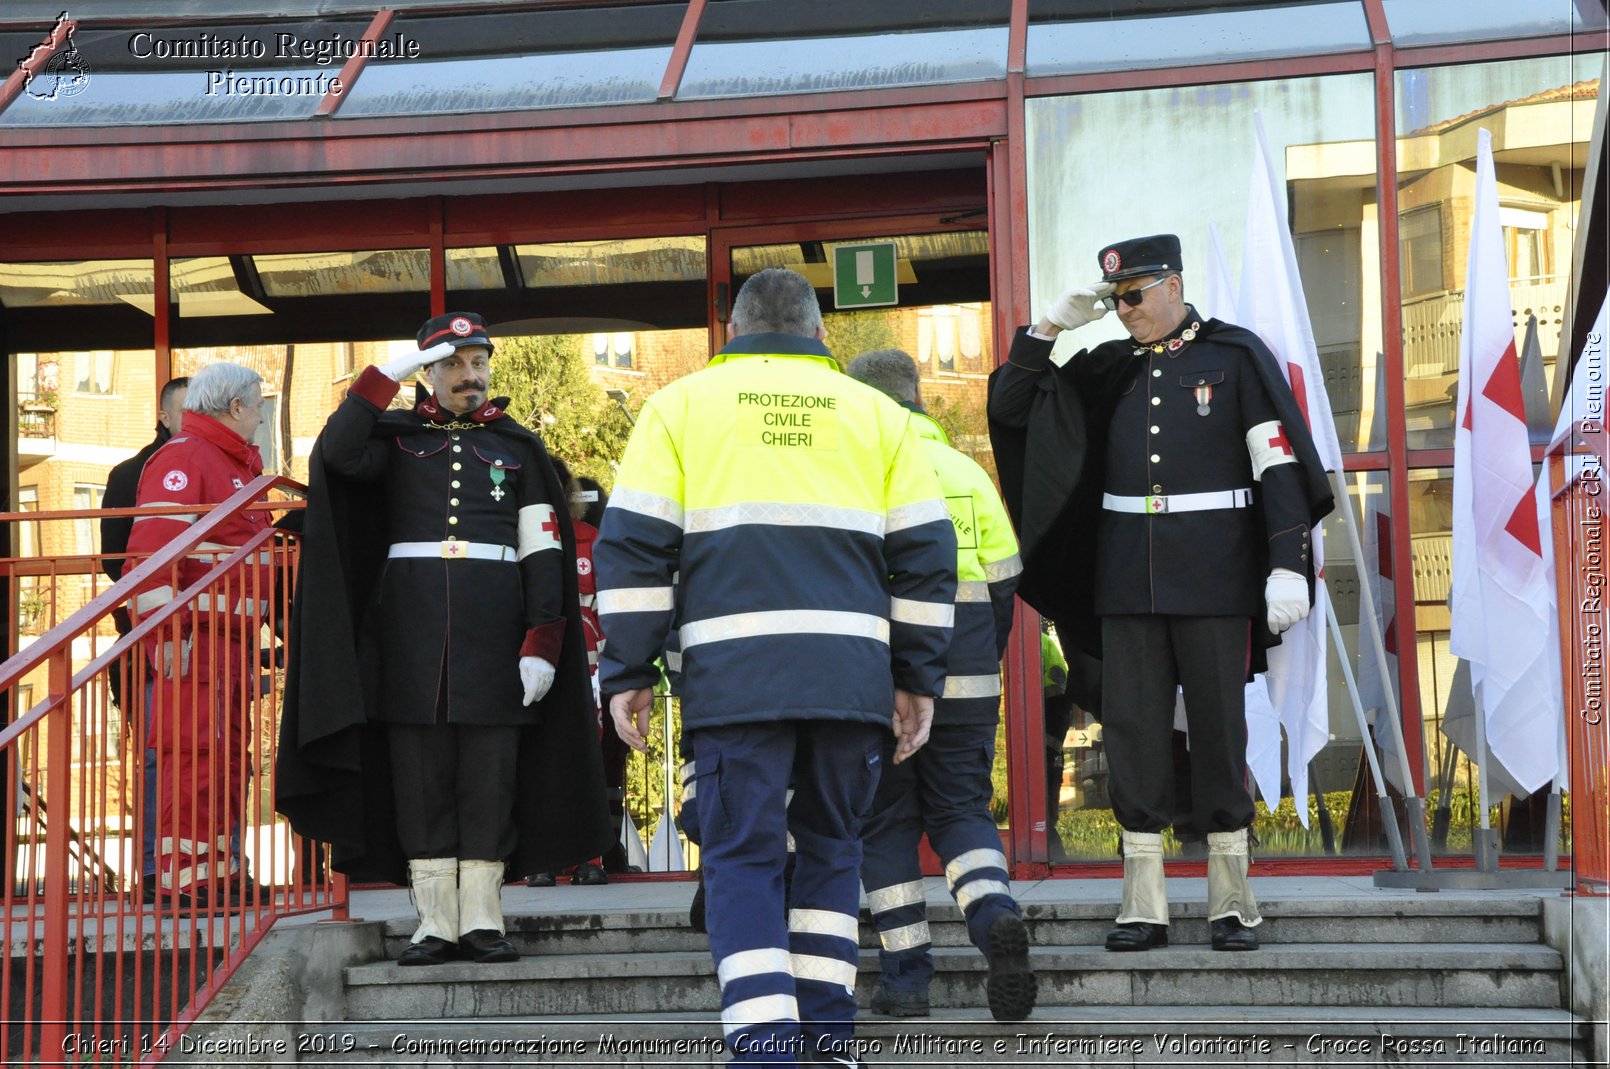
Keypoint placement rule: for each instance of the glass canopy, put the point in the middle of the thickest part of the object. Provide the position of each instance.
(145, 69)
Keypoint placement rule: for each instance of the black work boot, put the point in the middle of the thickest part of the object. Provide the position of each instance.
(1011, 986)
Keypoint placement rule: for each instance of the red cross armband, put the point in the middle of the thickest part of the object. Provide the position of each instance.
(1268, 446)
(539, 530)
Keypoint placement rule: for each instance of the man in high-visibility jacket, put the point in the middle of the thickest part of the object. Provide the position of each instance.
(785, 517)
(205, 662)
(946, 789)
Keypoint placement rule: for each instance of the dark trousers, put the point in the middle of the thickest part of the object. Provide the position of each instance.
(787, 968)
(1144, 659)
(944, 790)
(454, 789)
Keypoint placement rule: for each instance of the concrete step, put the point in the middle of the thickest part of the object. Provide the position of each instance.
(1420, 921)
(1454, 975)
(1206, 1034)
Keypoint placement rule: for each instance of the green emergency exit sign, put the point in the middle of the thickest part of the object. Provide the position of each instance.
(864, 275)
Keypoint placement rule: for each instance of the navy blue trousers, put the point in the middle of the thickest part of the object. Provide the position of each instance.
(944, 789)
(787, 968)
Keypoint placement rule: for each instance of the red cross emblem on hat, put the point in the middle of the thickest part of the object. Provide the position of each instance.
(1110, 261)
(462, 327)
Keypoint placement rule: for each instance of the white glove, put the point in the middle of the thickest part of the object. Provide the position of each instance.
(1079, 306)
(169, 661)
(536, 676)
(1286, 594)
(405, 367)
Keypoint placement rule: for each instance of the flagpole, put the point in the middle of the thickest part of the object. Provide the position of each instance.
(1551, 827)
(1389, 816)
(1414, 807)
(1486, 846)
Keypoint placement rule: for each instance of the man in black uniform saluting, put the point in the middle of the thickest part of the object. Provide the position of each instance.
(1164, 487)
(438, 709)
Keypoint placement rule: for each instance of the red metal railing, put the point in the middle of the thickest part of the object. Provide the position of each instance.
(1581, 531)
(103, 968)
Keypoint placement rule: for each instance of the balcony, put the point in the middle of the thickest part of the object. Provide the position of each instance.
(1431, 324)
(36, 427)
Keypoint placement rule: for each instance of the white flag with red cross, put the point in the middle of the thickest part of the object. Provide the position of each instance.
(1263, 723)
(1499, 595)
(1273, 306)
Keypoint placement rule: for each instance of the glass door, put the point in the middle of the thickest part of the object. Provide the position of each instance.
(919, 285)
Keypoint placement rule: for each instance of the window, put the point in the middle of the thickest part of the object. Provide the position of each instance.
(86, 531)
(95, 372)
(27, 533)
(1420, 251)
(601, 350)
(27, 377)
(1538, 114)
(1526, 239)
(1321, 138)
(620, 344)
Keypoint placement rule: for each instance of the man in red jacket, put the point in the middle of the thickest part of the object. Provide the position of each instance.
(206, 658)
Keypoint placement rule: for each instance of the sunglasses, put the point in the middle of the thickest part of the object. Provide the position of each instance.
(1132, 297)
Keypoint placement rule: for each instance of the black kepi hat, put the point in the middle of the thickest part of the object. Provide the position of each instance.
(1155, 255)
(456, 328)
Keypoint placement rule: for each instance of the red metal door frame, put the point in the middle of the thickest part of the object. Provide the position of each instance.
(1025, 840)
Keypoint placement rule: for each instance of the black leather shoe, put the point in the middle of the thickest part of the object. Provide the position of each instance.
(589, 875)
(1137, 935)
(888, 1003)
(1011, 987)
(540, 879)
(1230, 934)
(696, 909)
(485, 946)
(150, 888)
(430, 950)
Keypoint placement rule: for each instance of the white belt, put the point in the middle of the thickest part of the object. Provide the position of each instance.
(453, 549)
(1159, 503)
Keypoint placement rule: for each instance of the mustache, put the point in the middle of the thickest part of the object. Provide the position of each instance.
(470, 387)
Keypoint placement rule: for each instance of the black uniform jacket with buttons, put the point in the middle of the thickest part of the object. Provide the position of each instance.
(1065, 435)
(373, 639)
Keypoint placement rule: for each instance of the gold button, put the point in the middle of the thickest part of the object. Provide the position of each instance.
(1157, 400)
(456, 465)
(452, 519)
(1154, 429)
(1157, 373)
(1157, 488)
(455, 437)
(455, 484)
(452, 501)
(458, 449)
(1156, 459)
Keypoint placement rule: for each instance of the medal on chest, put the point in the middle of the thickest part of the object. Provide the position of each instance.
(1204, 397)
(498, 475)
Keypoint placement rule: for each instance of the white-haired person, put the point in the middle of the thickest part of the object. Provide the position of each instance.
(201, 657)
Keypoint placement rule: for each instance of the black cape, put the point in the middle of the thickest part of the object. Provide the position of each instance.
(333, 770)
(1051, 480)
